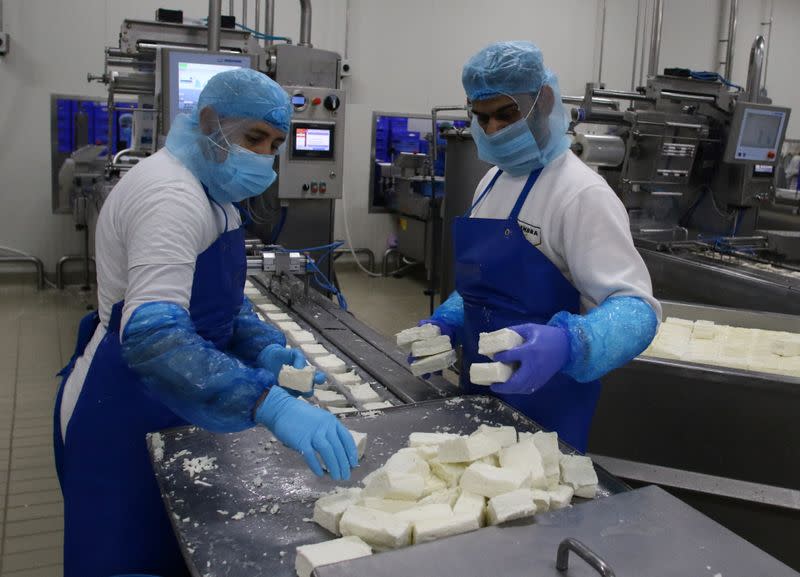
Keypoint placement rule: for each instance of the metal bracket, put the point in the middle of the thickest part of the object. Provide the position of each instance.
(3, 43)
(582, 551)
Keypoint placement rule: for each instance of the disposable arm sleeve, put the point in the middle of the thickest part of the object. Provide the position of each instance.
(451, 311)
(251, 335)
(187, 373)
(607, 337)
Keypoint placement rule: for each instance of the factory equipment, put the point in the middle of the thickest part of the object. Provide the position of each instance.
(164, 64)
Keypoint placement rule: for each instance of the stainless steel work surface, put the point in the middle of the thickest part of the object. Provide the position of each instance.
(637, 533)
(246, 516)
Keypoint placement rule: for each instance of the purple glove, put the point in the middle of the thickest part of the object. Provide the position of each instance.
(543, 354)
(273, 357)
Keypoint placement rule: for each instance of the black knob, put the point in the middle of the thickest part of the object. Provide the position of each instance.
(332, 102)
(306, 187)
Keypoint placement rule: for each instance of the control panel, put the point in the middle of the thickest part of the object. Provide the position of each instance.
(311, 164)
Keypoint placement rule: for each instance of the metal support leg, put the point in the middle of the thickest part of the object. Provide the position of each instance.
(28, 259)
(385, 264)
(366, 251)
(69, 258)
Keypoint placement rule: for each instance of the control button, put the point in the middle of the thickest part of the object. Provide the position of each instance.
(306, 187)
(323, 188)
(313, 187)
(332, 102)
(771, 154)
(317, 101)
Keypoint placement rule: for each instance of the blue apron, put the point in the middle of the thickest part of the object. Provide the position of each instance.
(504, 281)
(114, 519)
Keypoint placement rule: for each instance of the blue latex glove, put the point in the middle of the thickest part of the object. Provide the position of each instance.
(273, 357)
(251, 335)
(309, 430)
(543, 354)
(198, 382)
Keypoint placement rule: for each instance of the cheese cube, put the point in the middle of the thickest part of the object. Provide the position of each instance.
(786, 347)
(364, 393)
(407, 337)
(298, 338)
(380, 405)
(286, 326)
(489, 373)
(679, 322)
(386, 505)
(467, 449)
(509, 506)
(433, 363)
(360, 439)
(541, 499)
(297, 379)
(450, 473)
(392, 485)
(505, 435)
(447, 496)
(433, 529)
(547, 443)
(491, 481)
(408, 461)
(427, 452)
(309, 557)
(502, 340)
(313, 350)
(433, 484)
(422, 512)
(330, 398)
(328, 509)
(471, 504)
(493, 460)
(346, 379)
(278, 317)
(704, 331)
(526, 457)
(431, 346)
(377, 528)
(267, 308)
(525, 435)
(341, 410)
(560, 497)
(331, 364)
(419, 439)
(578, 472)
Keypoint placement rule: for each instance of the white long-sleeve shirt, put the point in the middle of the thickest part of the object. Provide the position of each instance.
(574, 218)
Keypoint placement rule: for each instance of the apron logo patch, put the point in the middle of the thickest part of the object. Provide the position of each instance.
(532, 233)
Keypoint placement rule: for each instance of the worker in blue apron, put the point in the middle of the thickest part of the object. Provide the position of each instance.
(174, 341)
(545, 250)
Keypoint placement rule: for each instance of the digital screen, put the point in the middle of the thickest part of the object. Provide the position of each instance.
(313, 139)
(766, 170)
(298, 100)
(760, 134)
(192, 78)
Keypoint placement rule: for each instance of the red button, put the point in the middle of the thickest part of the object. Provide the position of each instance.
(317, 101)
(771, 154)
(313, 188)
(322, 188)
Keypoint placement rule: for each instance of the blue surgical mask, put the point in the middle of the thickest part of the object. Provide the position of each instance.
(243, 174)
(512, 149)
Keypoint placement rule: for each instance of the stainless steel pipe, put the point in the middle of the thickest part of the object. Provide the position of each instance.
(729, 51)
(655, 38)
(305, 23)
(214, 23)
(755, 69)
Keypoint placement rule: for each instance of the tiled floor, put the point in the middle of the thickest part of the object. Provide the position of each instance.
(37, 335)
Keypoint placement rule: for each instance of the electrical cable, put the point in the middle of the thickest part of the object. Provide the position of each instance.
(350, 240)
(712, 76)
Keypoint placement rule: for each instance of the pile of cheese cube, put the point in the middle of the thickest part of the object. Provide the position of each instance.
(432, 351)
(444, 484)
(343, 388)
(721, 345)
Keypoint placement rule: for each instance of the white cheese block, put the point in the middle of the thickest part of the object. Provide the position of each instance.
(471, 504)
(423, 512)
(309, 557)
(392, 485)
(360, 440)
(286, 326)
(328, 509)
(493, 460)
(547, 443)
(298, 338)
(509, 506)
(541, 499)
(433, 484)
(419, 439)
(267, 308)
(433, 529)
(386, 505)
(331, 364)
(433, 363)
(678, 321)
(297, 379)
(489, 373)
(526, 457)
(330, 398)
(364, 393)
(786, 347)
(407, 337)
(313, 350)
(380, 405)
(504, 435)
(704, 330)
(378, 528)
(578, 472)
(346, 379)
(342, 410)
(447, 496)
(450, 473)
(427, 452)
(431, 346)
(502, 340)
(560, 497)
(489, 481)
(408, 461)
(278, 317)
(467, 449)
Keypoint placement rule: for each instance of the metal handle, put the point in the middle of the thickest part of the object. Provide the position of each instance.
(567, 545)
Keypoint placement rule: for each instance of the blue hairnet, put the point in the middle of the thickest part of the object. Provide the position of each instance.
(517, 67)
